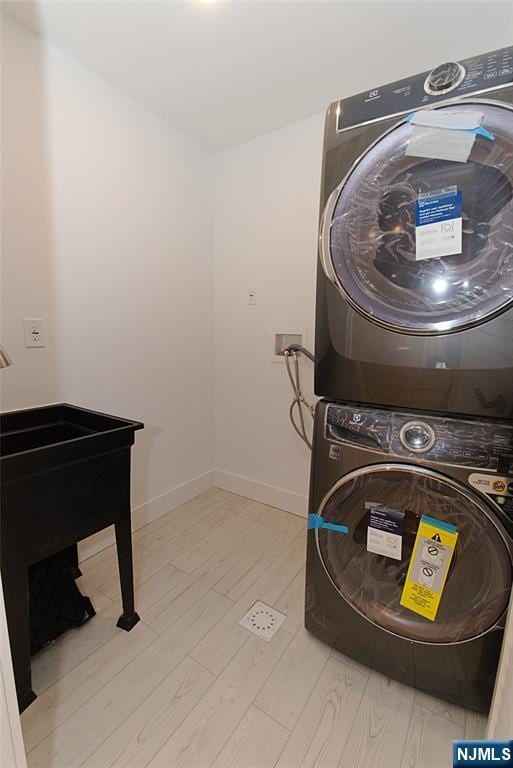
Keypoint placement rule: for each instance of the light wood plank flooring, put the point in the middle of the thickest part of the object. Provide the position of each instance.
(190, 688)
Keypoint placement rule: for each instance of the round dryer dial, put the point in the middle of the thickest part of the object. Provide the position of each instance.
(444, 78)
(417, 436)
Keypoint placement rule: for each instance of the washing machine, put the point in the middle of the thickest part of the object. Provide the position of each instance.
(380, 479)
(415, 273)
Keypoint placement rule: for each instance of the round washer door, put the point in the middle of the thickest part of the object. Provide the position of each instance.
(478, 584)
(368, 236)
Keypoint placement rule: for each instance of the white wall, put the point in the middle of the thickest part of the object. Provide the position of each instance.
(108, 209)
(107, 236)
(266, 202)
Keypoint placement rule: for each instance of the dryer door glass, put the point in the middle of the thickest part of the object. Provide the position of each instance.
(371, 238)
(478, 585)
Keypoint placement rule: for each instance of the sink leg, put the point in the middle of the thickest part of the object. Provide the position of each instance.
(16, 596)
(129, 617)
(71, 557)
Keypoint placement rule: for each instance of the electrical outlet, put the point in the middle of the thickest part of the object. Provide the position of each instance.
(251, 297)
(34, 332)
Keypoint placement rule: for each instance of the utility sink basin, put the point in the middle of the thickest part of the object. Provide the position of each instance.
(65, 475)
(31, 437)
(50, 426)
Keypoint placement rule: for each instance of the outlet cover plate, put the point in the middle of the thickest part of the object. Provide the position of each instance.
(34, 332)
(251, 297)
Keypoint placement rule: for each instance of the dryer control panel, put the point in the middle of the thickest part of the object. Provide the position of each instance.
(459, 442)
(446, 81)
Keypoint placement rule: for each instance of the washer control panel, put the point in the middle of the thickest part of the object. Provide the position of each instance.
(456, 78)
(462, 442)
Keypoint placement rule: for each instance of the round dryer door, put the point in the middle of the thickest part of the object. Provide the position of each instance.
(368, 234)
(477, 589)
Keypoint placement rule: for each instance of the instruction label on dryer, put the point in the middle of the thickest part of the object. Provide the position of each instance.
(385, 530)
(438, 224)
(498, 488)
(429, 565)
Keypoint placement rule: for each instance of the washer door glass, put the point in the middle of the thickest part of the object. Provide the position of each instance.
(370, 231)
(478, 584)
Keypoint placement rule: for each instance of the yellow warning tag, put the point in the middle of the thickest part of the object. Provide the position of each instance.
(429, 565)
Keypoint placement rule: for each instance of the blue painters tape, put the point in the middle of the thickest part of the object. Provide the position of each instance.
(438, 523)
(478, 129)
(316, 521)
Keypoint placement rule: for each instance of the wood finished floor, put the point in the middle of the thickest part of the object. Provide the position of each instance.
(190, 688)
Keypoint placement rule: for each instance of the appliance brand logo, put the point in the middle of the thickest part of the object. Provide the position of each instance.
(482, 753)
(375, 94)
(335, 452)
(491, 484)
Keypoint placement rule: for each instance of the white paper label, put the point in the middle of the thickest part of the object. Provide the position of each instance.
(438, 222)
(385, 530)
(496, 484)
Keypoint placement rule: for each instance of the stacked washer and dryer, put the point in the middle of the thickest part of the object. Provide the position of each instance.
(414, 362)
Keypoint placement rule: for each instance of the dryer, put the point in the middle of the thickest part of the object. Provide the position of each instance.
(396, 323)
(458, 473)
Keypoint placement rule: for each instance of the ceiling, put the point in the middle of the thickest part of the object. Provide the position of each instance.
(227, 73)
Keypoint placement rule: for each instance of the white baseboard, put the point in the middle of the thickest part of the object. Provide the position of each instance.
(267, 494)
(151, 510)
(155, 508)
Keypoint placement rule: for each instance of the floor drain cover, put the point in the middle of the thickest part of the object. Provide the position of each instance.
(262, 620)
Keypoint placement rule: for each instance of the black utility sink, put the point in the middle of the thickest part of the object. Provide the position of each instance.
(36, 437)
(51, 425)
(65, 475)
